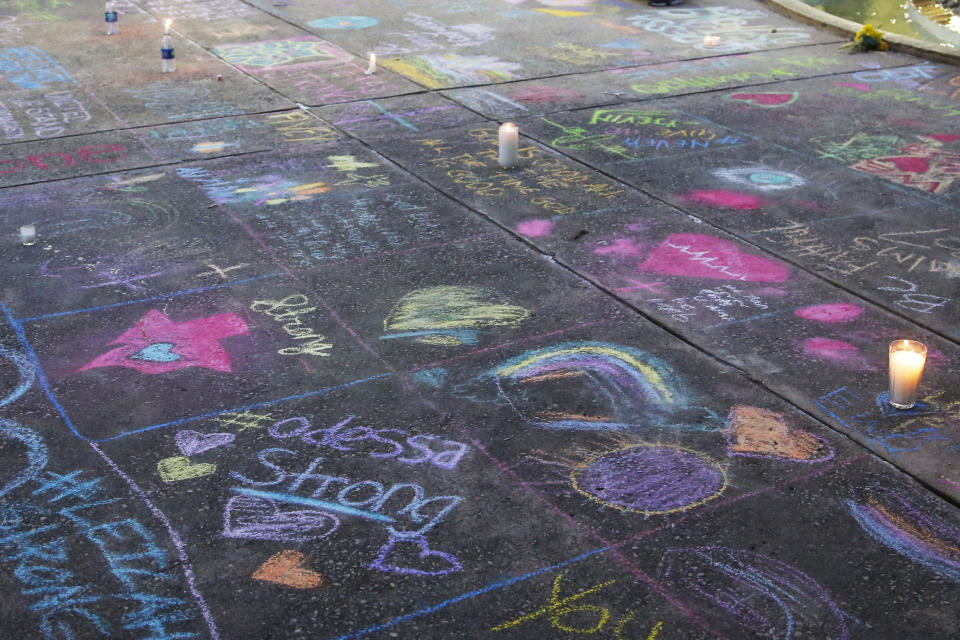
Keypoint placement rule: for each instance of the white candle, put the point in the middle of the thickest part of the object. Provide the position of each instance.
(166, 26)
(907, 358)
(711, 41)
(509, 142)
(28, 235)
(372, 67)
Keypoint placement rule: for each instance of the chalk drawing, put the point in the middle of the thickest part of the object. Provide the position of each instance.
(762, 433)
(412, 556)
(288, 568)
(193, 442)
(724, 199)
(26, 374)
(254, 57)
(695, 255)
(264, 519)
(830, 313)
(837, 352)
(157, 344)
(768, 100)
(920, 166)
(178, 468)
(760, 177)
(557, 608)
(450, 315)
(245, 420)
(650, 479)
(447, 70)
(617, 386)
(535, 228)
(31, 68)
(343, 22)
(895, 520)
(738, 29)
(753, 592)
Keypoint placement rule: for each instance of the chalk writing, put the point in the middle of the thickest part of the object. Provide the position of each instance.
(709, 82)
(738, 29)
(31, 68)
(945, 109)
(136, 564)
(866, 416)
(271, 189)
(297, 126)
(95, 154)
(178, 101)
(433, 35)
(252, 56)
(208, 10)
(448, 70)
(156, 344)
(724, 302)
(287, 312)
(912, 298)
(802, 241)
(342, 438)
(938, 248)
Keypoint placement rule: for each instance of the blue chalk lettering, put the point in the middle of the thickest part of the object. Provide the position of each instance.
(36, 452)
(68, 486)
(154, 614)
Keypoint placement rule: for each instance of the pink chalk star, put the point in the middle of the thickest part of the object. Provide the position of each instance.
(156, 344)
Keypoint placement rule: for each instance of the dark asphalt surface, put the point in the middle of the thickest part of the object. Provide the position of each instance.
(293, 357)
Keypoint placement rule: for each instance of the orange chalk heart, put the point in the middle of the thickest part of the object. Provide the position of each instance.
(287, 568)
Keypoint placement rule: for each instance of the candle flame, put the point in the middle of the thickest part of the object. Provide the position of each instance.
(166, 25)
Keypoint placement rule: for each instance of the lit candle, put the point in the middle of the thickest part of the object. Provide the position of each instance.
(28, 235)
(372, 67)
(711, 41)
(113, 25)
(509, 141)
(167, 59)
(907, 358)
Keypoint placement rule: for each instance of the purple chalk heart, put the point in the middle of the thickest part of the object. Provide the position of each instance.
(413, 557)
(193, 442)
(262, 519)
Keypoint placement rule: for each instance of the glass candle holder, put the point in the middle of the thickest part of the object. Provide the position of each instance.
(907, 358)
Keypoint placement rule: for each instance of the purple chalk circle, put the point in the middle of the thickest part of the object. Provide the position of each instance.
(650, 479)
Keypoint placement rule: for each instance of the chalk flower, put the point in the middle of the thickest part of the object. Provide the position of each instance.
(869, 38)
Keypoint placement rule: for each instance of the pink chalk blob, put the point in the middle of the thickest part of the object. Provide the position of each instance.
(836, 351)
(535, 228)
(833, 312)
(725, 199)
(859, 86)
(621, 247)
(944, 137)
(699, 256)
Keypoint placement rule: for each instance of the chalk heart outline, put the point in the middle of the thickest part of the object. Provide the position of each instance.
(767, 100)
(403, 560)
(289, 569)
(262, 519)
(191, 442)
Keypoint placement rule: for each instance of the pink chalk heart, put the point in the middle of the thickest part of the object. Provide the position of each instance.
(765, 99)
(413, 557)
(699, 256)
(833, 312)
(193, 442)
(909, 164)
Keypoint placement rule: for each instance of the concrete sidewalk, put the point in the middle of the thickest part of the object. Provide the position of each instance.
(293, 357)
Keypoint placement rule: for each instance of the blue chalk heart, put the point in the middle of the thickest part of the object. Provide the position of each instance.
(158, 352)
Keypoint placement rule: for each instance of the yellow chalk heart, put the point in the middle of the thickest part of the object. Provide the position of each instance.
(180, 468)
